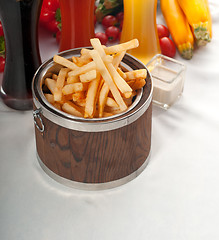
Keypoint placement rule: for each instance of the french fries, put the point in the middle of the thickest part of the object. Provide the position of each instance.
(64, 62)
(93, 84)
(90, 106)
(72, 108)
(88, 76)
(136, 74)
(60, 84)
(73, 88)
(122, 47)
(103, 98)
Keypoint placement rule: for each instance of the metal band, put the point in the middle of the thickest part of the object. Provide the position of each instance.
(93, 186)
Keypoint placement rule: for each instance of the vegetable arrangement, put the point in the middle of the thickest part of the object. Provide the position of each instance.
(112, 26)
(108, 7)
(189, 22)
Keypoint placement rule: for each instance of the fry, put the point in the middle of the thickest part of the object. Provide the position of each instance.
(73, 109)
(85, 68)
(107, 59)
(82, 60)
(106, 76)
(127, 94)
(122, 47)
(91, 98)
(128, 101)
(119, 81)
(95, 42)
(118, 58)
(78, 96)
(66, 98)
(85, 53)
(51, 84)
(103, 98)
(136, 74)
(54, 76)
(57, 105)
(112, 110)
(49, 97)
(73, 79)
(81, 103)
(121, 73)
(74, 87)
(88, 76)
(59, 84)
(138, 84)
(107, 114)
(64, 62)
(110, 102)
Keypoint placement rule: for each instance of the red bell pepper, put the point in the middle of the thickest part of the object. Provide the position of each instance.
(50, 16)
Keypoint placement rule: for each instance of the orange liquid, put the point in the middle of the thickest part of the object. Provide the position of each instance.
(140, 22)
(77, 23)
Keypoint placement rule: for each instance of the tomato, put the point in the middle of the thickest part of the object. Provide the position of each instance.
(109, 20)
(52, 26)
(51, 5)
(50, 15)
(120, 16)
(102, 37)
(46, 15)
(167, 47)
(2, 64)
(112, 33)
(1, 30)
(162, 31)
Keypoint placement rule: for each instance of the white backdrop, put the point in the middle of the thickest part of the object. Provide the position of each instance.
(176, 196)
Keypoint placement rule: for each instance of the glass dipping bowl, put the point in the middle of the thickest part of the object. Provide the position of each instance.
(168, 77)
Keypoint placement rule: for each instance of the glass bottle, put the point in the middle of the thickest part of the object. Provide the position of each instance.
(77, 23)
(20, 21)
(140, 22)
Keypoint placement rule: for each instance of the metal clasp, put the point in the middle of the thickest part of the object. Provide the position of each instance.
(36, 115)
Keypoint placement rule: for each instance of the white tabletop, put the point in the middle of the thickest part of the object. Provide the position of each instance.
(175, 197)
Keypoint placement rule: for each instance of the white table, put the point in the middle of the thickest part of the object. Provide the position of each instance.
(175, 197)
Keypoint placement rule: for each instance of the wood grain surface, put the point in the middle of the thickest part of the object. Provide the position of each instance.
(95, 157)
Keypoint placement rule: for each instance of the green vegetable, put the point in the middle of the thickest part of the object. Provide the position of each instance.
(2, 46)
(106, 7)
(58, 15)
(58, 18)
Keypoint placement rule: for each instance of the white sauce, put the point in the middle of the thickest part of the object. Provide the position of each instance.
(168, 85)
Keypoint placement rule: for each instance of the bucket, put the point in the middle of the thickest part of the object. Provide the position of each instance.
(92, 154)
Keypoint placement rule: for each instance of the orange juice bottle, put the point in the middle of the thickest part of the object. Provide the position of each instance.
(140, 22)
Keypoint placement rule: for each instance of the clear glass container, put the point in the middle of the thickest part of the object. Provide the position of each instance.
(168, 77)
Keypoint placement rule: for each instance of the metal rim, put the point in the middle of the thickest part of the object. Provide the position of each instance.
(91, 125)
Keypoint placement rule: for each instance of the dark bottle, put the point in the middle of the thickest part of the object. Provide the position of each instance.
(20, 23)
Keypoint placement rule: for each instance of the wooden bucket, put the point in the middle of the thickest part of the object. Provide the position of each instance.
(92, 153)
